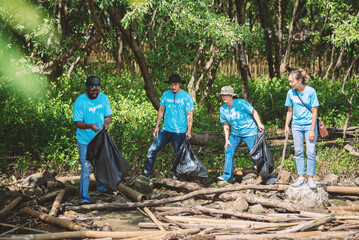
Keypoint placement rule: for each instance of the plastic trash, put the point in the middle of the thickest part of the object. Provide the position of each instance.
(261, 155)
(110, 166)
(186, 164)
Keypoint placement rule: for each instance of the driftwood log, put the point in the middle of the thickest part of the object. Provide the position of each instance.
(57, 203)
(54, 220)
(8, 208)
(155, 203)
(249, 216)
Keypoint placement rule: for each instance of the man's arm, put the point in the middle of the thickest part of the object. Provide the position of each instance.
(161, 113)
(83, 125)
(108, 120)
(189, 124)
(257, 119)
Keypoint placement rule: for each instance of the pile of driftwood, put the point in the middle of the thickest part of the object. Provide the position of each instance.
(190, 211)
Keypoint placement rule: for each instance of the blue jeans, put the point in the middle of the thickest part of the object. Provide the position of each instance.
(299, 134)
(85, 175)
(160, 141)
(231, 150)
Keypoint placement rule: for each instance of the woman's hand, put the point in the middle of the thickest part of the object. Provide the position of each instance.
(227, 143)
(287, 130)
(311, 135)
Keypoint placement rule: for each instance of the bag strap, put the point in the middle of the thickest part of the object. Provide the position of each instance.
(296, 92)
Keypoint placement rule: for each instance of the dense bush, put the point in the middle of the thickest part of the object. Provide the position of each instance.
(39, 133)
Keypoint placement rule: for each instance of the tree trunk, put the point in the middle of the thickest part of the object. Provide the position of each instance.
(349, 101)
(290, 37)
(208, 89)
(339, 63)
(264, 19)
(242, 65)
(140, 59)
(190, 85)
(331, 64)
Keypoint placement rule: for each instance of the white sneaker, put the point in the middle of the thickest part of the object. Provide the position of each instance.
(311, 184)
(299, 182)
(221, 178)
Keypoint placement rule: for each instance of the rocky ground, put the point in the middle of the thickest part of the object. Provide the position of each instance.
(173, 209)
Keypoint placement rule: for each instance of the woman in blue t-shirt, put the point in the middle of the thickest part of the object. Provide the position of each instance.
(302, 103)
(237, 114)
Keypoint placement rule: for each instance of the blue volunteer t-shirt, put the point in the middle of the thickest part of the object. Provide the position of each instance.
(301, 115)
(177, 105)
(239, 117)
(90, 111)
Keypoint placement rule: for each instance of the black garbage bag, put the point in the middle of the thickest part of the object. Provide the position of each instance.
(186, 164)
(261, 155)
(110, 166)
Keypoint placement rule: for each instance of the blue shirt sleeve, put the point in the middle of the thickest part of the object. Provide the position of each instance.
(247, 107)
(288, 100)
(108, 110)
(189, 103)
(163, 100)
(78, 111)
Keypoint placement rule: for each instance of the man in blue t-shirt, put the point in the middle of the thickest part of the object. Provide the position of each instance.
(91, 113)
(176, 107)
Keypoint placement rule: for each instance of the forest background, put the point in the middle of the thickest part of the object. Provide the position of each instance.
(48, 48)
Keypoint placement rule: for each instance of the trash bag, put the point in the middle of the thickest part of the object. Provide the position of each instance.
(261, 155)
(186, 164)
(110, 166)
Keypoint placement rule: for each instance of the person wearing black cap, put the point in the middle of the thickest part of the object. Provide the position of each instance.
(176, 107)
(91, 113)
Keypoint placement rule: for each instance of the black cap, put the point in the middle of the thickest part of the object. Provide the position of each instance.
(93, 82)
(175, 78)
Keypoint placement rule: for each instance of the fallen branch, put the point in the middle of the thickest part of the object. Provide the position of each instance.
(154, 219)
(88, 234)
(8, 208)
(57, 202)
(154, 203)
(345, 208)
(273, 203)
(308, 225)
(249, 216)
(351, 150)
(54, 220)
(344, 227)
(189, 186)
(25, 228)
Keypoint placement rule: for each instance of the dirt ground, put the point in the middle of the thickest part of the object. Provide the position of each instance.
(95, 220)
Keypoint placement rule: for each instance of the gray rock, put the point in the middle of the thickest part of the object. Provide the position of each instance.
(308, 198)
(239, 205)
(356, 181)
(249, 176)
(257, 209)
(331, 179)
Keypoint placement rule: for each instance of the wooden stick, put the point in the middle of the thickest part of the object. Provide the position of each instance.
(300, 235)
(307, 225)
(25, 228)
(345, 208)
(344, 227)
(283, 156)
(54, 220)
(154, 203)
(8, 208)
(154, 219)
(57, 202)
(250, 216)
(345, 213)
(89, 234)
(312, 214)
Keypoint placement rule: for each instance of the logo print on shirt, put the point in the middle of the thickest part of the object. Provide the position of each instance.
(93, 109)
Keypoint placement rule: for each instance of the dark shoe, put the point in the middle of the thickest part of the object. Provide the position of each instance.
(269, 180)
(84, 202)
(110, 192)
(147, 174)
